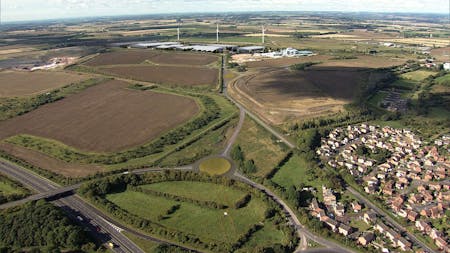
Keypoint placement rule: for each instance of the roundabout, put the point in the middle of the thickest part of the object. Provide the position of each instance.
(215, 166)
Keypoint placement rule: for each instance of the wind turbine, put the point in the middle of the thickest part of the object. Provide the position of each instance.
(217, 32)
(178, 32)
(263, 34)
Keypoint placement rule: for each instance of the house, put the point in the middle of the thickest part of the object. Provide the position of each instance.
(365, 239)
(412, 216)
(370, 217)
(381, 227)
(339, 210)
(345, 230)
(441, 243)
(356, 207)
(434, 233)
(423, 226)
(404, 244)
(331, 223)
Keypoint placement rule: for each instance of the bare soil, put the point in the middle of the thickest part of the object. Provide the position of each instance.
(107, 117)
(24, 83)
(54, 165)
(171, 75)
(137, 56)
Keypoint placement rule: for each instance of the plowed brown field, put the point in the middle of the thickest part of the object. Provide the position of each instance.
(279, 94)
(107, 117)
(171, 75)
(49, 163)
(21, 83)
(155, 56)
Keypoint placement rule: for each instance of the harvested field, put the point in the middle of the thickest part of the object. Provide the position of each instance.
(365, 62)
(107, 117)
(441, 54)
(172, 75)
(282, 62)
(21, 83)
(155, 56)
(51, 164)
(279, 94)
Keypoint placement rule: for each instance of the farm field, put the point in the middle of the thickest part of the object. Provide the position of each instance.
(21, 83)
(441, 54)
(282, 62)
(418, 75)
(138, 56)
(278, 95)
(215, 226)
(251, 139)
(364, 61)
(104, 118)
(171, 75)
(51, 164)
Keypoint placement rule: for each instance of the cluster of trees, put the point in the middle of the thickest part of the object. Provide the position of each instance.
(380, 155)
(40, 224)
(243, 202)
(11, 107)
(165, 248)
(203, 203)
(302, 66)
(246, 237)
(247, 166)
(211, 112)
(4, 198)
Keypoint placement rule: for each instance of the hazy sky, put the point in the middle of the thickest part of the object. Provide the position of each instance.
(14, 10)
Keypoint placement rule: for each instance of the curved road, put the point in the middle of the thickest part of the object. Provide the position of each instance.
(363, 199)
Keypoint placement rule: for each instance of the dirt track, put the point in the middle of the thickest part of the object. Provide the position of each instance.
(104, 118)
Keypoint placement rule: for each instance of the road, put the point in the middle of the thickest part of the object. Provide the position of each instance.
(391, 221)
(302, 232)
(235, 134)
(74, 205)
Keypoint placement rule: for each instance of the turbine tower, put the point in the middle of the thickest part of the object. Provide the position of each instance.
(263, 34)
(217, 32)
(178, 32)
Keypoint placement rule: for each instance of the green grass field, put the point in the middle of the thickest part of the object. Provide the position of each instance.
(145, 245)
(418, 75)
(211, 143)
(292, 173)
(199, 191)
(443, 80)
(8, 189)
(257, 144)
(206, 223)
(404, 84)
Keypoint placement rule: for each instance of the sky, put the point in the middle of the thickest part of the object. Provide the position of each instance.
(24, 10)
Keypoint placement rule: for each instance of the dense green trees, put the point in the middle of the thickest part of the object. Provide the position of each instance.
(40, 224)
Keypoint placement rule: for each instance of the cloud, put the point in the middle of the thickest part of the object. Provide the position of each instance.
(46, 9)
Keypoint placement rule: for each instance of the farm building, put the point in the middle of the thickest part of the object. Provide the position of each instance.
(207, 48)
(251, 49)
(153, 44)
(446, 66)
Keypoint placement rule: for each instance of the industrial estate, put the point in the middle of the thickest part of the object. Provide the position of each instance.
(249, 132)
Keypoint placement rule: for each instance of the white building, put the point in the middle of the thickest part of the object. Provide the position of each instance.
(447, 66)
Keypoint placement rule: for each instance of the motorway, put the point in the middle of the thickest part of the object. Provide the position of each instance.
(74, 206)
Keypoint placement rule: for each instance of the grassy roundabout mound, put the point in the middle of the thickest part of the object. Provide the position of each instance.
(215, 166)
